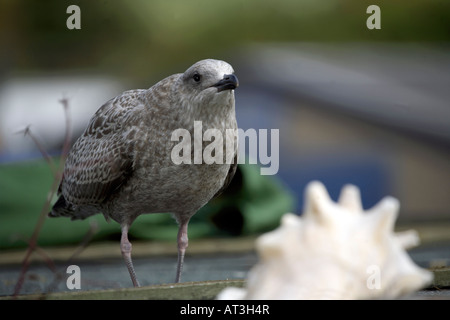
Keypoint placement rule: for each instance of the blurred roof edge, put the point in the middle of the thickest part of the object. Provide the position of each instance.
(403, 86)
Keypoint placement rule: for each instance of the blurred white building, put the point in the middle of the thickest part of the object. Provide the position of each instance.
(34, 102)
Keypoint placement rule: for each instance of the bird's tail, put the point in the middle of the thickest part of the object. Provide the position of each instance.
(62, 208)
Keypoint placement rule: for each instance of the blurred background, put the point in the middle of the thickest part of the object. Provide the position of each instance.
(352, 105)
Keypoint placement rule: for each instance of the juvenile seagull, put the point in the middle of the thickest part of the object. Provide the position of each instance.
(121, 165)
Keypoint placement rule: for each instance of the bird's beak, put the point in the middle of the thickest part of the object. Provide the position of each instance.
(229, 82)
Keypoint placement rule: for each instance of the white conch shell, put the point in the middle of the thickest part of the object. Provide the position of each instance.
(334, 251)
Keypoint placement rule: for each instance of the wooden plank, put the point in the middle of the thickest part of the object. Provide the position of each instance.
(204, 290)
(441, 277)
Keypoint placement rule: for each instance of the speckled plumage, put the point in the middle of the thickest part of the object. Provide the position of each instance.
(121, 166)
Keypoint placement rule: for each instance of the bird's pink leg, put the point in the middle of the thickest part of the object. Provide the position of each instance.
(125, 247)
(182, 240)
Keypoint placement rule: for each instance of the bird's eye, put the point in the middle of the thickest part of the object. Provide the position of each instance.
(196, 77)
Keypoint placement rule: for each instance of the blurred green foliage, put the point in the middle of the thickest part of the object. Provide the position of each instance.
(138, 39)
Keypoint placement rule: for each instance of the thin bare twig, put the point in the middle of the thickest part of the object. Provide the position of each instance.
(93, 227)
(44, 153)
(57, 173)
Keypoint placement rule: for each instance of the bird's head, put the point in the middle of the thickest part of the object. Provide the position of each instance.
(208, 81)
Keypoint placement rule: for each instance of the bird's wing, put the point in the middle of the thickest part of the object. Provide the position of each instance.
(229, 176)
(101, 160)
